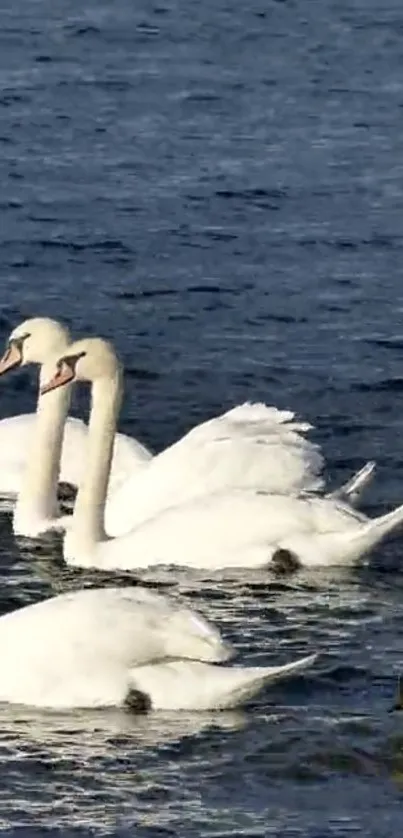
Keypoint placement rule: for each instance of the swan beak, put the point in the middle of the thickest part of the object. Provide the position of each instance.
(11, 359)
(63, 375)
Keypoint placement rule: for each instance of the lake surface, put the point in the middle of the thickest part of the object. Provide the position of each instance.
(218, 188)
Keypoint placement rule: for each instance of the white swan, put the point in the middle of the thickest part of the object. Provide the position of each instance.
(122, 646)
(33, 342)
(226, 529)
(250, 445)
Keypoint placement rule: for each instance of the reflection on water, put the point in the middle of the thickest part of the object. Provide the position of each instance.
(105, 762)
(83, 734)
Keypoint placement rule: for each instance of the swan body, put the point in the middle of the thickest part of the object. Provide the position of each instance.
(231, 528)
(240, 528)
(250, 445)
(95, 647)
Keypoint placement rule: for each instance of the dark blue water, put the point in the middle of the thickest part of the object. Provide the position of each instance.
(218, 188)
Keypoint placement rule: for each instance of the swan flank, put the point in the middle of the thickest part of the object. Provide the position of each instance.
(123, 647)
(247, 446)
(234, 528)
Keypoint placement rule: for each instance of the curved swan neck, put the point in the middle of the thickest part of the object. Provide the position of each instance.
(88, 516)
(38, 494)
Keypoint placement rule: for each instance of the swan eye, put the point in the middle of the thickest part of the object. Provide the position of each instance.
(70, 361)
(18, 342)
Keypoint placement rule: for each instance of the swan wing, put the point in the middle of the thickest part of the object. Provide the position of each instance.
(250, 446)
(235, 528)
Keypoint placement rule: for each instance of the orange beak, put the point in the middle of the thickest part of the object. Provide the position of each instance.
(11, 359)
(62, 376)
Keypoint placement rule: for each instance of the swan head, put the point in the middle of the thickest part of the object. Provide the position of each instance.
(90, 359)
(33, 342)
(189, 635)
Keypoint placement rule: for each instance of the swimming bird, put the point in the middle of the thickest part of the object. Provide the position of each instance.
(231, 528)
(129, 647)
(247, 446)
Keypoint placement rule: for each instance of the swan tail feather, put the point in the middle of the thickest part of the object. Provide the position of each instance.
(191, 685)
(339, 548)
(248, 682)
(373, 532)
(352, 490)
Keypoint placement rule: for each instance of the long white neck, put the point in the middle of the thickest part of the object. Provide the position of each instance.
(37, 499)
(87, 526)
